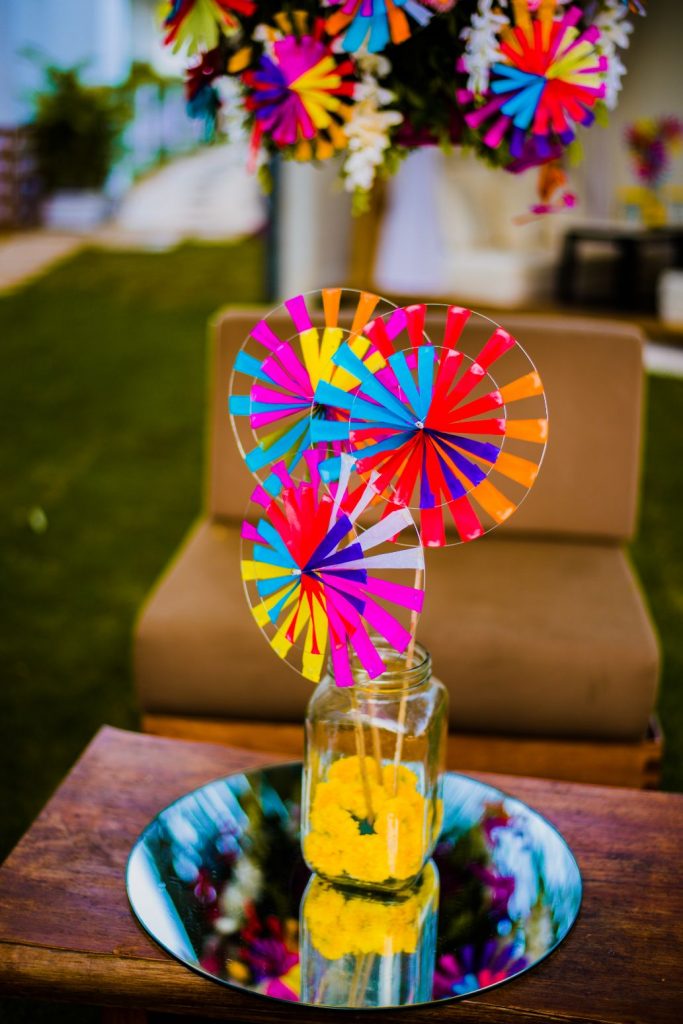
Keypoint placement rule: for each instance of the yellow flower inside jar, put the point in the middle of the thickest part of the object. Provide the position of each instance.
(372, 780)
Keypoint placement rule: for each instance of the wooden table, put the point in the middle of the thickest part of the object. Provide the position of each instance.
(66, 931)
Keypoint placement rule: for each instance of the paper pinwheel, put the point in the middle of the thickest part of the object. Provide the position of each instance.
(548, 77)
(376, 23)
(436, 428)
(276, 374)
(201, 22)
(300, 95)
(317, 587)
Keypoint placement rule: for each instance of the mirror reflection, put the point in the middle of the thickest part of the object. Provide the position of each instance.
(359, 949)
(218, 880)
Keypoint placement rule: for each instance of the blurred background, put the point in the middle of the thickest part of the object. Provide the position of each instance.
(101, 67)
(123, 228)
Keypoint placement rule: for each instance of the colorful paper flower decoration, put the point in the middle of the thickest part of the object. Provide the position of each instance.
(435, 428)
(300, 95)
(278, 369)
(374, 24)
(202, 22)
(318, 588)
(547, 79)
(508, 79)
(651, 143)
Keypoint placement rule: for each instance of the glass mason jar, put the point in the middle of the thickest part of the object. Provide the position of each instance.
(369, 949)
(372, 801)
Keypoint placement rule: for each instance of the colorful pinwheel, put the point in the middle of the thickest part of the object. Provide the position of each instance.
(316, 587)
(277, 371)
(433, 426)
(300, 95)
(376, 23)
(202, 22)
(548, 77)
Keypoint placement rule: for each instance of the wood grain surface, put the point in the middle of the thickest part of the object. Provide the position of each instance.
(66, 930)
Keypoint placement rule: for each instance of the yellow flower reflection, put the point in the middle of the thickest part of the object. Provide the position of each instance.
(341, 923)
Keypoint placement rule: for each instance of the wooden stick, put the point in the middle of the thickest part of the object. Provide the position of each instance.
(369, 963)
(360, 746)
(356, 981)
(377, 753)
(403, 706)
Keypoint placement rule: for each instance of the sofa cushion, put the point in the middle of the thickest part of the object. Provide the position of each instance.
(571, 653)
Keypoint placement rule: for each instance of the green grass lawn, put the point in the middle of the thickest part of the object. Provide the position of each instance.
(658, 556)
(102, 397)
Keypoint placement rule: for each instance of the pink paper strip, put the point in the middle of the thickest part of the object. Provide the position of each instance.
(396, 593)
(249, 532)
(367, 653)
(265, 335)
(387, 626)
(340, 664)
(299, 314)
(286, 355)
(262, 419)
(288, 380)
(261, 497)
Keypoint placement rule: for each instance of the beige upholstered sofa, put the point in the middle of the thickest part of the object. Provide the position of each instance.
(539, 630)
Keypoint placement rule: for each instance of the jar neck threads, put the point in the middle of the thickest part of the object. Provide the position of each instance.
(397, 676)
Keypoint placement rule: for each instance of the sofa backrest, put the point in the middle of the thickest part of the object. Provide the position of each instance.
(593, 377)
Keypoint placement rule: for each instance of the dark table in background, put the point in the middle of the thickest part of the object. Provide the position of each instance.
(630, 243)
(66, 931)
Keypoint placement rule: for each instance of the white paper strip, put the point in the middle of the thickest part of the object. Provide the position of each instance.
(382, 531)
(347, 464)
(366, 497)
(407, 558)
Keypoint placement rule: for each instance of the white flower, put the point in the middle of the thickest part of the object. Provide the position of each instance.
(244, 887)
(614, 34)
(482, 44)
(367, 129)
(375, 64)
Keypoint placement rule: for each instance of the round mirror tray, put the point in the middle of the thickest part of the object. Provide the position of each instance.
(218, 880)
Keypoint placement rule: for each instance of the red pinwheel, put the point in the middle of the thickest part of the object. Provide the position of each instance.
(436, 427)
